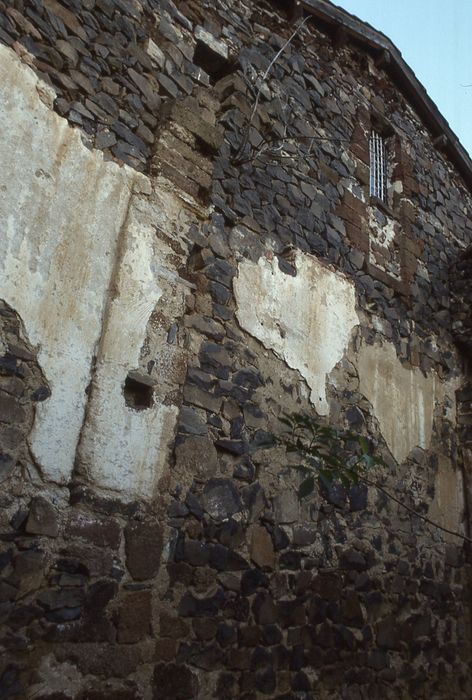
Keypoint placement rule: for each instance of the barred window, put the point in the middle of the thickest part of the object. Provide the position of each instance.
(378, 166)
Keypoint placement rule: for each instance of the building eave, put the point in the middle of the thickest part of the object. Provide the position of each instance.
(361, 32)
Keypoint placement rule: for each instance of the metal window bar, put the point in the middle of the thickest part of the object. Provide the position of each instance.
(378, 166)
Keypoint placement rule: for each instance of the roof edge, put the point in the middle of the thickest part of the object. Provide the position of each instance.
(443, 136)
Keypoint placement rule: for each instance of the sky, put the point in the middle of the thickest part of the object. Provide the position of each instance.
(435, 39)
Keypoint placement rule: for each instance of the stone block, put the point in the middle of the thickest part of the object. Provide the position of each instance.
(154, 53)
(102, 532)
(286, 506)
(42, 518)
(261, 547)
(10, 410)
(174, 681)
(143, 545)
(196, 456)
(221, 499)
(29, 570)
(191, 422)
(7, 465)
(187, 168)
(212, 136)
(134, 617)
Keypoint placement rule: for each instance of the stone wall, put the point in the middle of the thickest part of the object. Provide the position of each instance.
(155, 327)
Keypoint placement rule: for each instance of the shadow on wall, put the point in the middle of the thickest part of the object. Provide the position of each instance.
(22, 386)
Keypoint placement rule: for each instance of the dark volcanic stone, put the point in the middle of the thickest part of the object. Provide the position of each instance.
(352, 559)
(7, 465)
(252, 580)
(333, 493)
(221, 499)
(290, 560)
(191, 422)
(264, 609)
(279, 538)
(245, 470)
(271, 635)
(226, 635)
(224, 559)
(174, 681)
(254, 500)
(41, 393)
(237, 447)
(196, 553)
(358, 494)
(42, 518)
(143, 549)
(388, 633)
(190, 606)
(10, 684)
(54, 599)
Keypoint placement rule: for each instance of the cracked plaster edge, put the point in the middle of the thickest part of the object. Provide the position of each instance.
(136, 183)
(270, 260)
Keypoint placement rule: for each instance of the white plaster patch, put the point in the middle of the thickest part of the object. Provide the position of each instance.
(61, 211)
(447, 509)
(403, 399)
(122, 448)
(306, 320)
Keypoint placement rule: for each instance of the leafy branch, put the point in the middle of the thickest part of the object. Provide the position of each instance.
(338, 456)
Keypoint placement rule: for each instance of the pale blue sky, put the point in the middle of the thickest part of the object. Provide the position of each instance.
(435, 39)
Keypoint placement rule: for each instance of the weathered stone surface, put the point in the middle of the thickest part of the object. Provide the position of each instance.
(103, 532)
(191, 422)
(286, 507)
(197, 456)
(7, 465)
(143, 542)
(221, 499)
(42, 518)
(261, 547)
(263, 593)
(134, 617)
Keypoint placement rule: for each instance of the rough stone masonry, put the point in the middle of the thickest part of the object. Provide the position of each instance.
(190, 250)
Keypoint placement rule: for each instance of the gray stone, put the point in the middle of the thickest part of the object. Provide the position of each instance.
(206, 325)
(105, 139)
(286, 507)
(154, 53)
(261, 547)
(254, 500)
(221, 499)
(304, 535)
(201, 398)
(42, 518)
(7, 465)
(54, 599)
(191, 422)
(143, 545)
(197, 456)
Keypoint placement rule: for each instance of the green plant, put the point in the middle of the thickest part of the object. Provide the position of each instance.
(333, 455)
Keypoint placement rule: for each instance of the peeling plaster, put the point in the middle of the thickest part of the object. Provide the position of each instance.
(61, 210)
(403, 399)
(447, 509)
(307, 320)
(124, 449)
(82, 264)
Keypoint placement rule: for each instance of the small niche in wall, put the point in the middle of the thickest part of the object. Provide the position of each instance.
(211, 54)
(138, 391)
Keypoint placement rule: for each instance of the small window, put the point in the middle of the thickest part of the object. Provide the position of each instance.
(378, 166)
